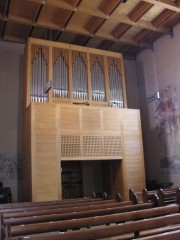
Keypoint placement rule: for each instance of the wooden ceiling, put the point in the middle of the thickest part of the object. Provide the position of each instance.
(125, 26)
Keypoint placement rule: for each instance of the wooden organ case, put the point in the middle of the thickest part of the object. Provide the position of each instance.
(75, 110)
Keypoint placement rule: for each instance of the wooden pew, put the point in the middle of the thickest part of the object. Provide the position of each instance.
(131, 227)
(133, 195)
(172, 235)
(60, 202)
(55, 206)
(91, 221)
(65, 202)
(166, 196)
(76, 212)
(51, 216)
(60, 210)
(144, 196)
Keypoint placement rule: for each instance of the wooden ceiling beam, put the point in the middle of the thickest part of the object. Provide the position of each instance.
(122, 40)
(120, 19)
(168, 4)
(163, 17)
(139, 24)
(68, 20)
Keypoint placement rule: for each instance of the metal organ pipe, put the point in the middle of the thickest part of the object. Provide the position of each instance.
(115, 85)
(38, 78)
(60, 78)
(79, 73)
(97, 82)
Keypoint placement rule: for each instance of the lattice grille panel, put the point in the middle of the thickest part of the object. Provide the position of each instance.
(70, 146)
(112, 146)
(92, 146)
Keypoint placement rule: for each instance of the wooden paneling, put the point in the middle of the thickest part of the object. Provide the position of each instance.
(45, 157)
(94, 134)
(133, 150)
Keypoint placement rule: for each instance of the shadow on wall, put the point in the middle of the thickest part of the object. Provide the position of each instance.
(8, 172)
(154, 185)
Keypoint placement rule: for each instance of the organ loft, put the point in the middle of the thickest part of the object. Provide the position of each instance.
(79, 136)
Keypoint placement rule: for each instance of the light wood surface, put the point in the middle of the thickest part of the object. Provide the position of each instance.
(64, 132)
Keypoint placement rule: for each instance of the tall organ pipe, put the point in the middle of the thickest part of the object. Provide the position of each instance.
(60, 78)
(115, 85)
(38, 77)
(79, 73)
(97, 82)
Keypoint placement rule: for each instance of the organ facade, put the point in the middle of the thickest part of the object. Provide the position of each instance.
(75, 110)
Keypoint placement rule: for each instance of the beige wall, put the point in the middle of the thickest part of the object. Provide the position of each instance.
(11, 74)
(157, 70)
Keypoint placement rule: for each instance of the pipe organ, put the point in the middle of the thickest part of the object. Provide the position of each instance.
(78, 74)
(81, 116)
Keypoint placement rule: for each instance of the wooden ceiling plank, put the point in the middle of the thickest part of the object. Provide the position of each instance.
(93, 23)
(107, 6)
(142, 35)
(168, 4)
(119, 30)
(163, 17)
(68, 20)
(139, 24)
(109, 12)
(139, 10)
(36, 19)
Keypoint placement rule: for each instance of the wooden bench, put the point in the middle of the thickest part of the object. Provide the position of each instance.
(60, 210)
(55, 206)
(172, 235)
(80, 201)
(139, 196)
(91, 221)
(123, 207)
(131, 227)
(62, 213)
(166, 196)
(76, 215)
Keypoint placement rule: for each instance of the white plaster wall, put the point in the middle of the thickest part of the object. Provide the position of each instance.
(156, 70)
(11, 75)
